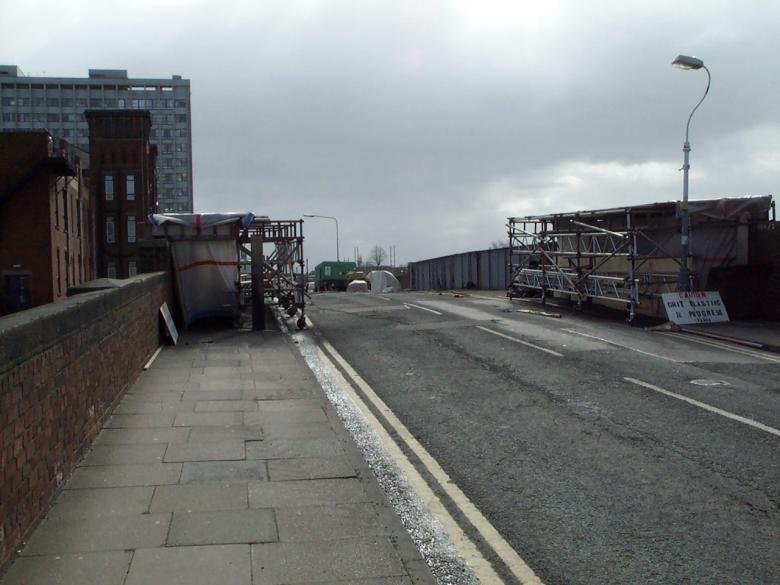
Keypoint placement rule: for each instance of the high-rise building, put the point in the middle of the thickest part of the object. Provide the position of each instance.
(57, 104)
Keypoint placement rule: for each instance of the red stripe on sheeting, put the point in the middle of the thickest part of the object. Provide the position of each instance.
(197, 222)
(192, 265)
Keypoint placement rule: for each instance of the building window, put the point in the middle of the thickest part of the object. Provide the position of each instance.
(131, 229)
(78, 220)
(67, 102)
(53, 102)
(132, 270)
(110, 230)
(65, 209)
(111, 270)
(130, 185)
(59, 273)
(108, 187)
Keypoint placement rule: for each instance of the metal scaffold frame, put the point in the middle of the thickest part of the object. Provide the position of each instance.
(280, 277)
(567, 253)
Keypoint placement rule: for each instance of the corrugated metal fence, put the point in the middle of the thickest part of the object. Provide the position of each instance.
(485, 269)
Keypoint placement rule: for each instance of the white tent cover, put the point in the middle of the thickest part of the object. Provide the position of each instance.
(383, 281)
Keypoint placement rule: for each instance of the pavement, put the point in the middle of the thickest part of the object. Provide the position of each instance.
(757, 333)
(601, 453)
(224, 464)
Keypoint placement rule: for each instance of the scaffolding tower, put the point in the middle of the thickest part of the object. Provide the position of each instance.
(278, 273)
(570, 254)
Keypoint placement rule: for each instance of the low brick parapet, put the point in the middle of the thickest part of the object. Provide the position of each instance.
(62, 368)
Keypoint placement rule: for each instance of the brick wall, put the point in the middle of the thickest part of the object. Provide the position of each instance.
(63, 366)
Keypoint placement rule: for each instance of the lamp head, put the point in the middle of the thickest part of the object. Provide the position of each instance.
(307, 215)
(687, 62)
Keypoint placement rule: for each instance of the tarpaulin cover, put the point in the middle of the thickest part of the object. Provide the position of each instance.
(357, 286)
(383, 281)
(201, 220)
(206, 269)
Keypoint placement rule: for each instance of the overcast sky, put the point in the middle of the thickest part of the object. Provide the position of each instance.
(424, 124)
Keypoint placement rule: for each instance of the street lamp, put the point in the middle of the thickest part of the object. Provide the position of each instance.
(686, 62)
(337, 229)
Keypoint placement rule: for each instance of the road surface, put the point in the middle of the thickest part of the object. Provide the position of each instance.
(601, 453)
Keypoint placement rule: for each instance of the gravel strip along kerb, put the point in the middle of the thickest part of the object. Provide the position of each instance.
(426, 532)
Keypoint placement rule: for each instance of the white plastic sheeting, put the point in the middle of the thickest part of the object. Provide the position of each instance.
(357, 286)
(206, 267)
(383, 281)
(199, 221)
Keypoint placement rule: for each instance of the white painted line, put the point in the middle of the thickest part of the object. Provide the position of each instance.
(655, 355)
(422, 308)
(481, 567)
(707, 407)
(725, 346)
(381, 298)
(154, 357)
(520, 341)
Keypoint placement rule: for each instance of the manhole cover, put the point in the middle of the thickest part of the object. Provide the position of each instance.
(707, 382)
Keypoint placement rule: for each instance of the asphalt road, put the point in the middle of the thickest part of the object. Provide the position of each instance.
(592, 478)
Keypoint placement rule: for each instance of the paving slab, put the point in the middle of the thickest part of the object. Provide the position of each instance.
(102, 502)
(191, 565)
(292, 418)
(208, 419)
(311, 562)
(226, 406)
(305, 523)
(73, 535)
(204, 395)
(380, 581)
(226, 433)
(222, 527)
(206, 451)
(284, 430)
(310, 468)
(101, 568)
(223, 361)
(145, 398)
(293, 448)
(124, 475)
(136, 421)
(310, 492)
(142, 436)
(215, 385)
(223, 471)
(123, 454)
(149, 405)
(222, 372)
(199, 497)
(276, 392)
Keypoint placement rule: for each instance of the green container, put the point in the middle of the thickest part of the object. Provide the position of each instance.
(332, 275)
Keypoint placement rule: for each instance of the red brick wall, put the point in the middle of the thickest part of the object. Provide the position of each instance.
(63, 366)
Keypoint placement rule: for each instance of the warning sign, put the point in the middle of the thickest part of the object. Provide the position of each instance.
(687, 308)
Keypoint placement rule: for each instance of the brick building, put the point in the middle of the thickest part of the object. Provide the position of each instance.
(125, 187)
(46, 231)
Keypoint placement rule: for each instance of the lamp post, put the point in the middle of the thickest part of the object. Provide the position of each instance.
(684, 280)
(337, 229)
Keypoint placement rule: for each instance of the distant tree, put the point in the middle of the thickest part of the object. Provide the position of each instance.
(497, 244)
(377, 256)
